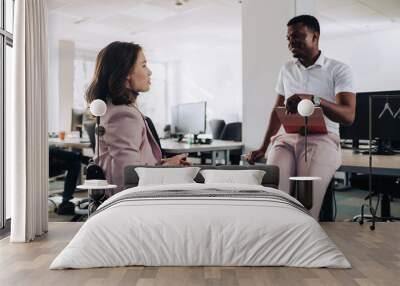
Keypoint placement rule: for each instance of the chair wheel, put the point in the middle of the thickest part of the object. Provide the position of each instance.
(361, 222)
(372, 227)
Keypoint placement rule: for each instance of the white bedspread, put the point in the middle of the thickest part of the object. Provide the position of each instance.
(224, 231)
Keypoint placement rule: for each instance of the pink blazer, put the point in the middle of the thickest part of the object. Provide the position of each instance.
(127, 141)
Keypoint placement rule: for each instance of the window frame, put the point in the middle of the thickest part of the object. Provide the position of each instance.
(6, 39)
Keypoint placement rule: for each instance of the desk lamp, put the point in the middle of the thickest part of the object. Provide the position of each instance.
(303, 190)
(96, 181)
(305, 108)
(98, 108)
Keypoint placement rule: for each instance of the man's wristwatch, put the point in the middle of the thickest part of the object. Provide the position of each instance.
(317, 101)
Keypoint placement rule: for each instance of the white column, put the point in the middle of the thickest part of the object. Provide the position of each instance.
(54, 98)
(66, 83)
(264, 52)
(174, 86)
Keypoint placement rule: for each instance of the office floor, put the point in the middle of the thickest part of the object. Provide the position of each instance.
(374, 255)
(55, 191)
(349, 204)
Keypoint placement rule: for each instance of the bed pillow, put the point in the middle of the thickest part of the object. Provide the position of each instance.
(248, 177)
(166, 176)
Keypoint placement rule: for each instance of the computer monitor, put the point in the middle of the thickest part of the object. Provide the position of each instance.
(359, 129)
(385, 111)
(77, 119)
(189, 118)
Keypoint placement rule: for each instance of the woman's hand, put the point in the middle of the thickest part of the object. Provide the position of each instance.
(177, 160)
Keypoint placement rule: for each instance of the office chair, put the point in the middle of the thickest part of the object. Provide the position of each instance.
(90, 128)
(329, 209)
(81, 209)
(232, 131)
(217, 126)
(167, 131)
(153, 131)
(384, 187)
(76, 120)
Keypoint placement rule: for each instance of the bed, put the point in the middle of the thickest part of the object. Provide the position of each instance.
(197, 224)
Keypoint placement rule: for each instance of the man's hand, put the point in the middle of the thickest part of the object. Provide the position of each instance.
(293, 101)
(253, 156)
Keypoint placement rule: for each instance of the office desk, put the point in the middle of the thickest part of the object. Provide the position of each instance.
(359, 163)
(74, 143)
(71, 143)
(171, 146)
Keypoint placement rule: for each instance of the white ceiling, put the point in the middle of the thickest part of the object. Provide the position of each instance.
(91, 24)
(339, 17)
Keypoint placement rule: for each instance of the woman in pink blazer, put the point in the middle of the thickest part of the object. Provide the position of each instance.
(121, 73)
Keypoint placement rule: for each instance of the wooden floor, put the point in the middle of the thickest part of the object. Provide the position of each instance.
(375, 256)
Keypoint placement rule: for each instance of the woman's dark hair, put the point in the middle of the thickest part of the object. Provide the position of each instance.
(113, 65)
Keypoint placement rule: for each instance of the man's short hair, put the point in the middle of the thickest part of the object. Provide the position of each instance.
(307, 20)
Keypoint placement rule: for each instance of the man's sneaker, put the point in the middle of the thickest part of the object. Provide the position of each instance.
(66, 208)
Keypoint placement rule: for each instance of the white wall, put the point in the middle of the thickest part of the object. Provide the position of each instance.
(212, 73)
(264, 52)
(70, 71)
(60, 84)
(203, 60)
(84, 66)
(201, 52)
(53, 99)
(66, 80)
(197, 70)
(373, 57)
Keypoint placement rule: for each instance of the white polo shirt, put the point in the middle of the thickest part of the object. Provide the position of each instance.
(325, 78)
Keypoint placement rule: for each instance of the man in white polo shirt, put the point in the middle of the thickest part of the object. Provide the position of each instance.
(329, 84)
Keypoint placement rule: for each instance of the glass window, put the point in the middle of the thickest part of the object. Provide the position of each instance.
(1, 14)
(83, 74)
(2, 201)
(6, 66)
(9, 11)
(8, 86)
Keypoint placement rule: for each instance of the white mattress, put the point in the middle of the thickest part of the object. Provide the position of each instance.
(203, 231)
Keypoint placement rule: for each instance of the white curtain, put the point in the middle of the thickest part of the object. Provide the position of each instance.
(28, 123)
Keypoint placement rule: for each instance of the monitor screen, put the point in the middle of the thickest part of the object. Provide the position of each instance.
(189, 118)
(76, 119)
(385, 117)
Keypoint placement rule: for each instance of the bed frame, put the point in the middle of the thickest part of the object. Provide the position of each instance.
(270, 179)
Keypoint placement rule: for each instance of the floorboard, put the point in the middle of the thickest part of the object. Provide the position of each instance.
(374, 255)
